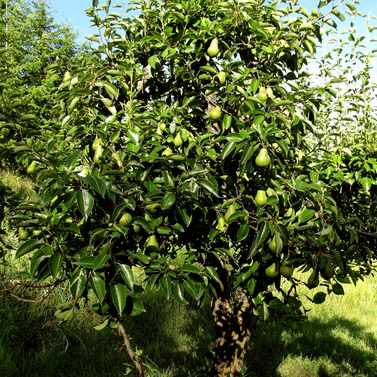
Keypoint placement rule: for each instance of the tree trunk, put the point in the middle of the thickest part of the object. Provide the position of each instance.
(234, 321)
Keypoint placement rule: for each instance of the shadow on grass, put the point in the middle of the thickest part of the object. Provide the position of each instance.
(323, 348)
(176, 342)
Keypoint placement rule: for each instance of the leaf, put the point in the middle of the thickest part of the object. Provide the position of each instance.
(28, 246)
(119, 296)
(190, 268)
(165, 283)
(213, 274)
(186, 216)
(319, 298)
(243, 232)
(100, 261)
(366, 182)
(85, 202)
(306, 215)
(137, 307)
(102, 325)
(55, 263)
(97, 184)
(227, 121)
(144, 223)
(208, 186)
(228, 149)
(178, 294)
(191, 289)
(251, 284)
(28, 117)
(260, 238)
(127, 275)
(167, 201)
(77, 284)
(99, 287)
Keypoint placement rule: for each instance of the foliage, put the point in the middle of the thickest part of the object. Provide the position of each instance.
(156, 159)
(29, 43)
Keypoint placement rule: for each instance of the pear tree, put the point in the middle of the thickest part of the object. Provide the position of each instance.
(191, 129)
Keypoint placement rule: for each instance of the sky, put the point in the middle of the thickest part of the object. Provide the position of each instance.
(73, 12)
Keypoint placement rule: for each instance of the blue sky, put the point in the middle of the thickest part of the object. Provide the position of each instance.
(73, 12)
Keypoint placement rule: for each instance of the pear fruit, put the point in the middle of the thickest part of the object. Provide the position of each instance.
(286, 270)
(270, 93)
(96, 143)
(221, 225)
(125, 220)
(98, 154)
(22, 233)
(272, 245)
(313, 280)
(136, 228)
(152, 244)
(328, 272)
(167, 152)
(262, 94)
(178, 140)
(31, 168)
(162, 127)
(213, 49)
(222, 77)
(261, 198)
(153, 207)
(263, 159)
(215, 113)
(37, 232)
(272, 271)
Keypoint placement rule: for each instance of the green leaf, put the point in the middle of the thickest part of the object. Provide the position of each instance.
(178, 294)
(165, 283)
(167, 201)
(144, 223)
(366, 182)
(190, 268)
(227, 121)
(100, 261)
(137, 307)
(99, 287)
(213, 274)
(77, 284)
(228, 149)
(55, 263)
(119, 296)
(319, 298)
(251, 284)
(191, 289)
(102, 325)
(127, 275)
(306, 215)
(243, 232)
(259, 239)
(85, 202)
(208, 186)
(28, 246)
(85, 262)
(97, 184)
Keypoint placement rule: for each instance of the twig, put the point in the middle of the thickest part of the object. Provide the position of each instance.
(127, 345)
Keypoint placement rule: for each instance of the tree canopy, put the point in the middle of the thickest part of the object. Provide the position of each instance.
(192, 144)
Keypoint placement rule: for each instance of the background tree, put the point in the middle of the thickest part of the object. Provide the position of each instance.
(185, 148)
(30, 42)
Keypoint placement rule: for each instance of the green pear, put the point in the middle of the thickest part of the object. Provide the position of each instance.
(270, 93)
(262, 94)
(178, 140)
(37, 232)
(215, 113)
(213, 49)
(272, 244)
(272, 271)
(167, 152)
(22, 233)
(153, 207)
(162, 127)
(152, 244)
(221, 225)
(125, 220)
(222, 77)
(31, 168)
(328, 272)
(286, 270)
(261, 198)
(96, 143)
(263, 159)
(313, 280)
(136, 228)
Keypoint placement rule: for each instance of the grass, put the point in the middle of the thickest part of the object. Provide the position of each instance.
(339, 338)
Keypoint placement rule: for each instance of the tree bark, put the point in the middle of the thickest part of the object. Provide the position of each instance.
(234, 321)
